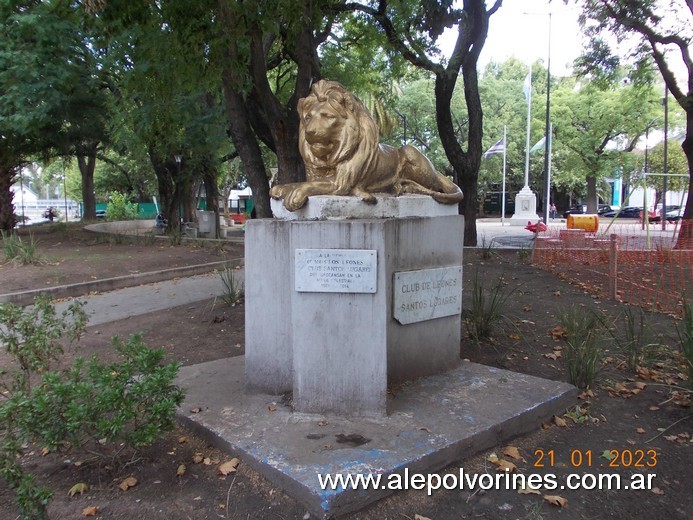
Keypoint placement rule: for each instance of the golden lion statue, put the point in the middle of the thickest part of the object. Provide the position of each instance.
(338, 140)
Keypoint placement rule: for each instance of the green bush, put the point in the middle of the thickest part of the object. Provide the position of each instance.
(88, 404)
(118, 208)
(685, 332)
(586, 333)
(18, 250)
(487, 307)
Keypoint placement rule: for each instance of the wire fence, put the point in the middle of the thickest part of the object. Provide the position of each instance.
(649, 267)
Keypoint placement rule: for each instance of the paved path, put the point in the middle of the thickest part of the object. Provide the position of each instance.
(134, 301)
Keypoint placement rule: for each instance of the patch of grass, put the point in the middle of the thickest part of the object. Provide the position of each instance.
(234, 290)
(175, 237)
(685, 332)
(585, 337)
(487, 307)
(20, 251)
(524, 254)
(487, 249)
(636, 346)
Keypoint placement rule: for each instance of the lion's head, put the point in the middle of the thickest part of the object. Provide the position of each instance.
(337, 133)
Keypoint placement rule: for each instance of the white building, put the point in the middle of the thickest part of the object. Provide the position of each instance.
(30, 208)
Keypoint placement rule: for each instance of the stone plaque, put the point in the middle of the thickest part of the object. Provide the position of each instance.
(336, 270)
(427, 294)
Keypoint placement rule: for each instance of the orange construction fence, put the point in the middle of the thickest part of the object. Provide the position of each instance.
(652, 268)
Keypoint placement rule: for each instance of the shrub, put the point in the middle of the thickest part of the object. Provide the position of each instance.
(636, 345)
(18, 250)
(585, 336)
(131, 402)
(685, 332)
(234, 291)
(118, 208)
(487, 307)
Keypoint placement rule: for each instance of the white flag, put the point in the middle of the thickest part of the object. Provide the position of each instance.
(499, 147)
(527, 87)
(539, 146)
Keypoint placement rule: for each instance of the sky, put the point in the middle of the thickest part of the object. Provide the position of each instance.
(520, 29)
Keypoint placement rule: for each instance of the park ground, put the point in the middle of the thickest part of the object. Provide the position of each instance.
(641, 415)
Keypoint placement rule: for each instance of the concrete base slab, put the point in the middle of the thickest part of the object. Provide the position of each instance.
(336, 207)
(431, 423)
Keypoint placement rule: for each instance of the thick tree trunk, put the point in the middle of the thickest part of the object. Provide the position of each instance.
(7, 216)
(86, 159)
(685, 240)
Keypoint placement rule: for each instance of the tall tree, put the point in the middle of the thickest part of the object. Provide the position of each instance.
(599, 121)
(663, 31)
(412, 28)
(37, 79)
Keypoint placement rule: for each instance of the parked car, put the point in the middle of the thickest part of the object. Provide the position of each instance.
(575, 210)
(625, 212)
(673, 214)
(582, 209)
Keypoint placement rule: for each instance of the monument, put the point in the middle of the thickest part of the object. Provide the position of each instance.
(360, 267)
(353, 299)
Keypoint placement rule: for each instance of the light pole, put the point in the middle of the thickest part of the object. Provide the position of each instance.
(67, 219)
(664, 170)
(547, 143)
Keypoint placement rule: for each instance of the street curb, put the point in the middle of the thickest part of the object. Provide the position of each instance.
(118, 282)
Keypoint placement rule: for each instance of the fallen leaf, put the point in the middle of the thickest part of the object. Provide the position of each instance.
(640, 385)
(197, 458)
(492, 458)
(195, 410)
(545, 426)
(556, 500)
(207, 461)
(180, 471)
(506, 466)
(78, 488)
(640, 430)
(558, 332)
(516, 337)
(653, 408)
(608, 454)
(45, 451)
(513, 452)
(529, 491)
(419, 517)
(128, 483)
(657, 491)
(228, 466)
(559, 422)
(272, 408)
(90, 511)
(557, 293)
(182, 440)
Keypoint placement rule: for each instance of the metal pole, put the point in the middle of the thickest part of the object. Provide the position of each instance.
(664, 171)
(529, 121)
(65, 196)
(505, 147)
(547, 143)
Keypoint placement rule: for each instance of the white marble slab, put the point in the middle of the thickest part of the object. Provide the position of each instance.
(336, 270)
(427, 294)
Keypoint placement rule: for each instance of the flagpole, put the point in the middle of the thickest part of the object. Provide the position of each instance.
(529, 116)
(505, 147)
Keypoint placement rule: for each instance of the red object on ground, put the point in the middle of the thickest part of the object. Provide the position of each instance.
(535, 228)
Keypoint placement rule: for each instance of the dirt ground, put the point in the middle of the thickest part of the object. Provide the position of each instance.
(644, 416)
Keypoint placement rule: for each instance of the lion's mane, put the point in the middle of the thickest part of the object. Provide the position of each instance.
(352, 160)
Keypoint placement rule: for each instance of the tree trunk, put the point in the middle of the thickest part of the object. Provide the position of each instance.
(685, 240)
(241, 132)
(86, 159)
(7, 216)
(592, 202)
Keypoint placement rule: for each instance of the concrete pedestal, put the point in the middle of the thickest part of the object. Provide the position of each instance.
(337, 349)
(525, 208)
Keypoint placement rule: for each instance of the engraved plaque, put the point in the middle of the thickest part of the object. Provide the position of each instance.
(336, 270)
(427, 294)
